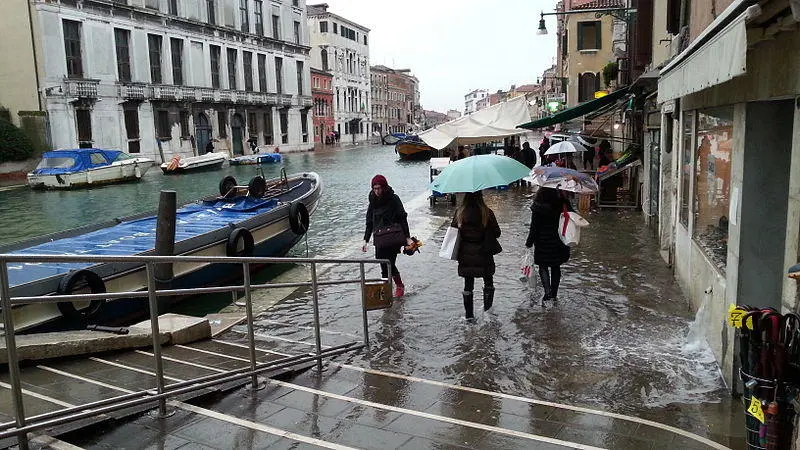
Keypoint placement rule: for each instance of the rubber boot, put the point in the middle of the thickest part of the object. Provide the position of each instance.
(468, 313)
(399, 287)
(555, 281)
(488, 297)
(544, 274)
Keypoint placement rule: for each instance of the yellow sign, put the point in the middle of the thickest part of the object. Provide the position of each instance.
(755, 409)
(600, 94)
(735, 316)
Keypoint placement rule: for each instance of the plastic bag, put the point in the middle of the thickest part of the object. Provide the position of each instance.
(569, 228)
(450, 243)
(526, 267)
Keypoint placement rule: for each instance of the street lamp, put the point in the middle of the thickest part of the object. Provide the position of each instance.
(619, 13)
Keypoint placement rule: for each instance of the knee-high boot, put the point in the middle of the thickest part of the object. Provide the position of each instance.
(399, 287)
(488, 297)
(468, 305)
(555, 281)
(544, 274)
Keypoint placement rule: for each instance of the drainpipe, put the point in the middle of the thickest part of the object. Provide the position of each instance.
(35, 59)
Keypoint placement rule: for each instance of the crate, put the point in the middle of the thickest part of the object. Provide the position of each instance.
(377, 295)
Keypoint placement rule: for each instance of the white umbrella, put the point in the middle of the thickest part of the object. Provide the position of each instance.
(564, 147)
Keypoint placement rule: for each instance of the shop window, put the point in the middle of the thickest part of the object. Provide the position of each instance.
(687, 137)
(712, 183)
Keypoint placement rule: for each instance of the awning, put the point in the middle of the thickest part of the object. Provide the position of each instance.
(577, 111)
(714, 59)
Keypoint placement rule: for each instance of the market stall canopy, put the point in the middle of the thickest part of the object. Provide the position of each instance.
(577, 111)
(490, 124)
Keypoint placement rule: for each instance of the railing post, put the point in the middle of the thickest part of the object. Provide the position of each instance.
(153, 299)
(315, 303)
(364, 304)
(11, 346)
(251, 337)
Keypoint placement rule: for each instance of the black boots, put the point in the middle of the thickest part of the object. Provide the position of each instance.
(488, 297)
(468, 305)
(555, 280)
(544, 274)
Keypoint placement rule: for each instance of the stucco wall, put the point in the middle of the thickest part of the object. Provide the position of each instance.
(17, 70)
(660, 49)
(581, 61)
(703, 13)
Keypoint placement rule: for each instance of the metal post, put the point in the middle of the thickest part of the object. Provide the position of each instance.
(315, 302)
(251, 338)
(13, 363)
(151, 294)
(364, 305)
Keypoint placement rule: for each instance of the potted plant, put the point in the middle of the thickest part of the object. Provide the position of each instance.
(610, 72)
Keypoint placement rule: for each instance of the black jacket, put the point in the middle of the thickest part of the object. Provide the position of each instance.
(543, 235)
(384, 211)
(475, 250)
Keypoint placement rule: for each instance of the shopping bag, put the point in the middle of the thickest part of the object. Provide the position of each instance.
(450, 244)
(569, 228)
(526, 267)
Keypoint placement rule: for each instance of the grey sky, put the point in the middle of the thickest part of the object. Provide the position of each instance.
(454, 46)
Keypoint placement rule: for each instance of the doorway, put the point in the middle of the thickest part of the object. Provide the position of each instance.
(237, 129)
(202, 133)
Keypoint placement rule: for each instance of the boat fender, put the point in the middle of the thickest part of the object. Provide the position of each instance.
(298, 218)
(227, 185)
(75, 281)
(257, 187)
(240, 243)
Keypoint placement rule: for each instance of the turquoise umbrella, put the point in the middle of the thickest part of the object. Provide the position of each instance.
(479, 172)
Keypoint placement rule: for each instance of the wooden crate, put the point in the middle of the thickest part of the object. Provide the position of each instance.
(377, 295)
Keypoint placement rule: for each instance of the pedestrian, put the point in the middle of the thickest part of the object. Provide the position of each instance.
(549, 253)
(478, 232)
(385, 210)
(210, 147)
(588, 157)
(543, 147)
(528, 155)
(605, 154)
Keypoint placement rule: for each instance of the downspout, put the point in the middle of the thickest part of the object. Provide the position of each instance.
(35, 59)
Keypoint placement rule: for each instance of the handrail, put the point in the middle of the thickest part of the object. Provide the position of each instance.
(23, 425)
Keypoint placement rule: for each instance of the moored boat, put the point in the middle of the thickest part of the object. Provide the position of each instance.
(265, 218)
(259, 158)
(394, 138)
(84, 167)
(209, 161)
(412, 148)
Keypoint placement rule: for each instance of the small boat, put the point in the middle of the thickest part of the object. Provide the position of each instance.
(413, 148)
(259, 158)
(264, 218)
(84, 167)
(394, 138)
(209, 161)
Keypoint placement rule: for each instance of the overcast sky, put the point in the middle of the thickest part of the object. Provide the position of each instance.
(455, 46)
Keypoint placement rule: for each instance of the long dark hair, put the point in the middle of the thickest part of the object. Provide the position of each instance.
(473, 201)
(550, 197)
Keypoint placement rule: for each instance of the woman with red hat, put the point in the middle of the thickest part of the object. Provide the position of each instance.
(386, 211)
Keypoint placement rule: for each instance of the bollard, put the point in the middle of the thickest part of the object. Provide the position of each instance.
(165, 235)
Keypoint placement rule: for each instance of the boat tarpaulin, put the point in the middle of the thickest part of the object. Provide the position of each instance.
(59, 162)
(577, 111)
(487, 125)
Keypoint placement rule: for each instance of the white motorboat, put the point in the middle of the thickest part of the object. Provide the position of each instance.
(179, 164)
(84, 167)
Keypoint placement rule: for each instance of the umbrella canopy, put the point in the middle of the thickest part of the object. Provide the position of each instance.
(477, 173)
(564, 179)
(565, 147)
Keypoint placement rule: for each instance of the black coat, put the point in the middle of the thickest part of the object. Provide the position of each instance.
(384, 211)
(548, 249)
(475, 250)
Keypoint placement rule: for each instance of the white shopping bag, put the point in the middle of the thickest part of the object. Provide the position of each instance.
(569, 228)
(450, 243)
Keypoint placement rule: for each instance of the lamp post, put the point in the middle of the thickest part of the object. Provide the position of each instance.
(619, 13)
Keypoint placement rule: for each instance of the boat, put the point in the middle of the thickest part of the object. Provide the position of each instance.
(413, 148)
(209, 161)
(84, 167)
(265, 218)
(259, 158)
(394, 138)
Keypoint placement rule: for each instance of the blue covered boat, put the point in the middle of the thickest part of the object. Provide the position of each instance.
(83, 167)
(260, 158)
(265, 218)
(394, 138)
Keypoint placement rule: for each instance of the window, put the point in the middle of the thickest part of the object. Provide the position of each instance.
(304, 124)
(276, 26)
(247, 62)
(231, 68)
(589, 35)
(122, 41)
(262, 73)
(315, 80)
(152, 4)
(258, 12)
(324, 57)
(132, 129)
(296, 3)
(686, 165)
(83, 121)
(365, 39)
(97, 158)
(215, 55)
(222, 121)
(245, 16)
(335, 28)
(323, 26)
(300, 78)
(162, 125)
(72, 48)
(212, 17)
(252, 125)
(173, 7)
(284, 126)
(279, 75)
(297, 32)
(154, 42)
(268, 127)
(177, 60)
(712, 182)
(588, 84)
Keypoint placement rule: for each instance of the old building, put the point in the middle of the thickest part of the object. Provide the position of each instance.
(471, 100)
(322, 91)
(395, 94)
(433, 118)
(161, 78)
(341, 47)
(453, 114)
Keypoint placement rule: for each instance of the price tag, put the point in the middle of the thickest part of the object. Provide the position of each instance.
(735, 316)
(755, 409)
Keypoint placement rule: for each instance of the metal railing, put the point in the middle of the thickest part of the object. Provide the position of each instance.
(23, 425)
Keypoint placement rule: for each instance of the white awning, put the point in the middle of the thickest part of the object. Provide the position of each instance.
(721, 58)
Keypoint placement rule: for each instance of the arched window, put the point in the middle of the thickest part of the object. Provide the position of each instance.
(588, 84)
(324, 56)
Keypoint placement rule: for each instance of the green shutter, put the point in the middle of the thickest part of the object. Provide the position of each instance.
(599, 34)
(580, 36)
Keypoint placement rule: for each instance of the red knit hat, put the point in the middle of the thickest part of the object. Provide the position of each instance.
(379, 180)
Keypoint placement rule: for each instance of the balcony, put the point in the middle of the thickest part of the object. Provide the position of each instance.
(305, 100)
(256, 98)
(133, 91)
(165, 92)
(285, 99)
(272, 99)
(206, 95)
(81, 88)
(188, 93)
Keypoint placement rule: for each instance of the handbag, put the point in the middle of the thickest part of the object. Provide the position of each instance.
(450, 243)
(569, 228)
(491, 244)
(390, 236)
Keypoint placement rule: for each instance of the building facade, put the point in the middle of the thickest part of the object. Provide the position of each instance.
(114, 75)
(341, 47)
(433, 118)
(453, 114)
(395, 94)
(322, 92)
(471, 100)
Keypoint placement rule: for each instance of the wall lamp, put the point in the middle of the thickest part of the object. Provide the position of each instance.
(625, 14)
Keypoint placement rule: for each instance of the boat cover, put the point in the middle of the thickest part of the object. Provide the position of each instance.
(81, 160)
(136, 236)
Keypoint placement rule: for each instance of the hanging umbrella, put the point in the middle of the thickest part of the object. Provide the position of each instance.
(565, 147)
(564, 179)
(477, 173)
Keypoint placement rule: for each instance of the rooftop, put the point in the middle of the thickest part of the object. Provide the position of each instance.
(597, 4)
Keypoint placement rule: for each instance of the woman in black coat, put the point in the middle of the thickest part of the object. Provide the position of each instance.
(478, 232)
(549, 252)
(385, 209)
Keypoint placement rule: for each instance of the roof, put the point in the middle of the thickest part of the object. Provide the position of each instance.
(596, 4)
(321, 11)
(528, 88)
(321, 72)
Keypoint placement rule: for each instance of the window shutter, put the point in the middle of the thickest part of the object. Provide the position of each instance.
(598, 34)
(581, 93)
(580, 36)
(597, 81)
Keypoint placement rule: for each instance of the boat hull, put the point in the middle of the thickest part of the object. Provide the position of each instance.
(195, 164)
(268, 158)
(115, 173)
(413, 150)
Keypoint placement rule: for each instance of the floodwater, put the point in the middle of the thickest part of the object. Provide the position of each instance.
(615, 340)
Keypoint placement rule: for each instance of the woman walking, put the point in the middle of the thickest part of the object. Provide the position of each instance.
(549, 252)
(386, 210)
(478, 231)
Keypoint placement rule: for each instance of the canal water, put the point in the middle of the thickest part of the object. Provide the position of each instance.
(616, 339)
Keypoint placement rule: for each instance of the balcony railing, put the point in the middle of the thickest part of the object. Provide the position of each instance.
(165, 92)
(133, 91)
(256, 98)
(306, 100)
(82, 88)
(206, 95)
(286, 99)
(188, 93)
(272, 99)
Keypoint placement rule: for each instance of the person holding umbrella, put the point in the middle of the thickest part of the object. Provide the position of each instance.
(549, 252)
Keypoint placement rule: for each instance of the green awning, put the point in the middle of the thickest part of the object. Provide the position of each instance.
(577, 111)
